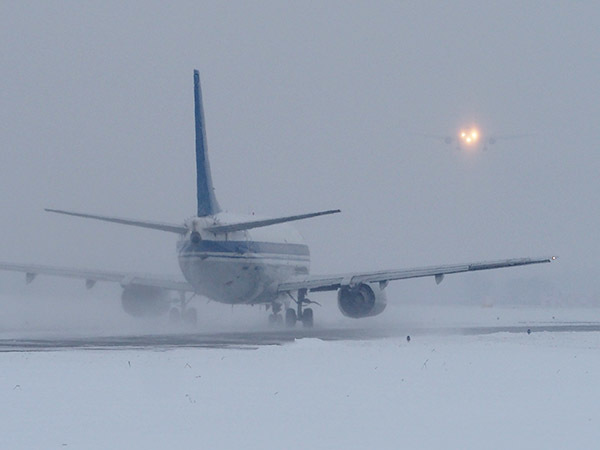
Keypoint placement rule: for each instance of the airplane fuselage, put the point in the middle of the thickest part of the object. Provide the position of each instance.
(241, 267)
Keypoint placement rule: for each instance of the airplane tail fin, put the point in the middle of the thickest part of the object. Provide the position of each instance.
(207, 202)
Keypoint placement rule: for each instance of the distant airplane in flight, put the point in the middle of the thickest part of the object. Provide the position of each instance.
(471, 138)
(235, 259)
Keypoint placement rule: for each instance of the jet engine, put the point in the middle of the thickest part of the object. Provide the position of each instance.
(363, 300)
(144, 301)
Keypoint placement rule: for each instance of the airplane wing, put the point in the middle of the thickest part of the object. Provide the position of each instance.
(508, 137)
(446, 139)
(334, 282)
(92, 276)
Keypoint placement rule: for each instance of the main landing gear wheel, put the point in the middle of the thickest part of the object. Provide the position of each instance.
(174, 315)
(190, 317)
(275, 319)
(180, 313)
(305, 315)
(290, 318)
(307, 318)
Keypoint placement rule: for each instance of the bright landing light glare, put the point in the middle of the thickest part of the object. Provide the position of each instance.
(469, 137)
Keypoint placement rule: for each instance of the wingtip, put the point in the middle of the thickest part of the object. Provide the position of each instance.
(59, 211)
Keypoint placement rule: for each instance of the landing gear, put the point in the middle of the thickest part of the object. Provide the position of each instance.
(183, 314)
(174, 316)
(300, 314)
(290, 318)
(307, 318)
(190, 317)
(275, 319)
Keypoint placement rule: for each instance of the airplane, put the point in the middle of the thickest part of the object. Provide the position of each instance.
(471, 138)
(236, 259)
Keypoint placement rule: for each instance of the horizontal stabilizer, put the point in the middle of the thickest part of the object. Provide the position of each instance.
(240, 226)
(506, 137)
(173, 228)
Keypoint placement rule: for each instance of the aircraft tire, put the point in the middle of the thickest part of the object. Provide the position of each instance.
(275, 319)
(174, 315)
(307, 318)
(190, 317)
(290, 318)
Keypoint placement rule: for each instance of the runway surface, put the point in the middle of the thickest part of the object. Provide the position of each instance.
(255, 339)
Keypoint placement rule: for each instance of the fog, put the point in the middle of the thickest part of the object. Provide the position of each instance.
(308, 106)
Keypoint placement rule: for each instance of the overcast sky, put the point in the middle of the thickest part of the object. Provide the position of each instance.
(309, 106)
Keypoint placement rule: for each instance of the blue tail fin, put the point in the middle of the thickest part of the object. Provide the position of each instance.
(207, 202)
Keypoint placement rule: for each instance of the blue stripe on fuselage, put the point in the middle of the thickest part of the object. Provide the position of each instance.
(243, 247)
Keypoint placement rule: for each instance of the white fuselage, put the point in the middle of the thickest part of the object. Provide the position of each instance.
(242, 266)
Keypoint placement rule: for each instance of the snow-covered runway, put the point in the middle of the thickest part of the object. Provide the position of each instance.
(500, 390)
(253, 339)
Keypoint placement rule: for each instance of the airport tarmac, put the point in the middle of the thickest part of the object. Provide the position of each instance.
(255, 339)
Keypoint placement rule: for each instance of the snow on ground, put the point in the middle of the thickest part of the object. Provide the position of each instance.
(494, 391)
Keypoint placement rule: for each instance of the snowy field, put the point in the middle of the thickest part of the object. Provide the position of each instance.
(495, 391)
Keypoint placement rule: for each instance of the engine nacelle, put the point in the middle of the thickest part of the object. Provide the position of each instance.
(144, 301)
(364, 300)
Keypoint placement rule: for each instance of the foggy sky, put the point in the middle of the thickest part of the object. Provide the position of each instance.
(308, 106)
